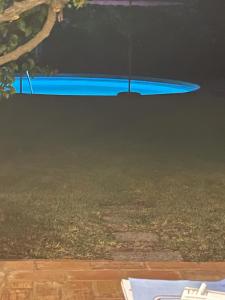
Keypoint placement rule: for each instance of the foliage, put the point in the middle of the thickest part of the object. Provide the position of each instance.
(6, 80)
(78, 3)
(17, 33)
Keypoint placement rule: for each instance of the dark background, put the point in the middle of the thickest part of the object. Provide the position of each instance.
(184, 42)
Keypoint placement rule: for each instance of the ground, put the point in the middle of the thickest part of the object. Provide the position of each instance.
(91, 280)
(116, 178)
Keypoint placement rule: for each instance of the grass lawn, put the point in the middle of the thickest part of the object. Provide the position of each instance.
(75, 170)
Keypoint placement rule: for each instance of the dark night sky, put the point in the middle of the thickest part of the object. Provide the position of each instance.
(186, 42)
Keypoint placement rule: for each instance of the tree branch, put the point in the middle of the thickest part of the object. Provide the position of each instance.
(34, 42)
(13, 12)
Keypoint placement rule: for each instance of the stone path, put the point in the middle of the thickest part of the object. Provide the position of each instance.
(90, 280)
(139, 246)
(136, 245)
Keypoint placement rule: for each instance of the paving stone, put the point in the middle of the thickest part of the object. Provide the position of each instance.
(202, 274)
(97, 298)
(98, 280)
(95, 275)
(75, 289)
(62, 264)
(147, 255)
(107, 289)
(37, 276)
(19, 265)
(2, 277)
(2, 264)
(21, 294)
(147, 237)
(148, 274)
(78, 295)
(48, 291)
(194, 266)
(18, 284)
(114, 219)
(115, 223)
(119, 265)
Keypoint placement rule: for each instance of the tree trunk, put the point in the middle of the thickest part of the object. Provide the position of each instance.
(34, 42)
(13, 12)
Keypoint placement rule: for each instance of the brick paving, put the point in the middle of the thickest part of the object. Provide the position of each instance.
(90, 280)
